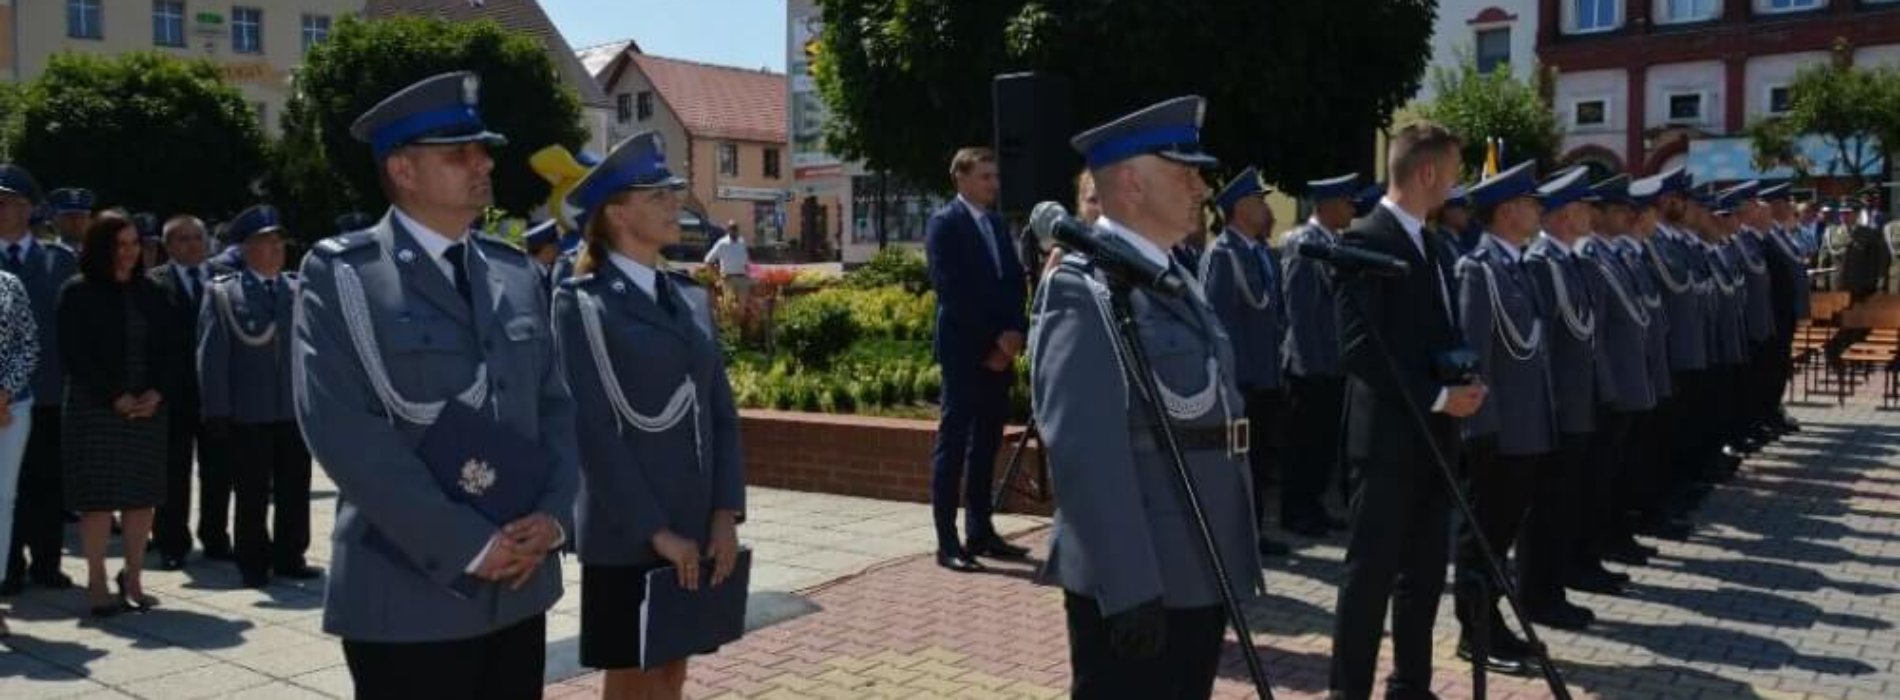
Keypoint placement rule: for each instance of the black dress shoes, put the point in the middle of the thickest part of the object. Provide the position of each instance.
(1562, 615)
(54, 580)
(1595, 581)
(959, 562)
(996, 548)
(300, 572)
(1497, 660)
(219, 553)
(257, 580)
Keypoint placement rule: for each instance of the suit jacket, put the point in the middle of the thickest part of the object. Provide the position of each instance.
(1123, 533)
(1412, 315)
(1623, 328)
(1575, 366)
(1312, 336)
(43, 272)
(184, 307)
(244, 349)
(1242, 283)
(1497, 308)
(637, 481)
(93, 344)
(975, 302)
(431, 343)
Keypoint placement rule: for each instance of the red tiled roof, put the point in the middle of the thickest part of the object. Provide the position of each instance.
(523, 16)
(719, 101)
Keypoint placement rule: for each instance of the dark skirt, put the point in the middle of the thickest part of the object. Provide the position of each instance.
(610, 615)
(111, 463)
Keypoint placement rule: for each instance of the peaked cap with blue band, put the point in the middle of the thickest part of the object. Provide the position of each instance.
(1613, 190)
(1246, 184)
(15, 180)
(636, 163)
(1517, 181)
(1170, 129)
(260, 218)
(1341, 187)
(1745, 191)
(1781, 191)
(1459, 197)
(1643, 192)
(440, 109)
(1676, 180)
(1367, 198)
(71, 200)
(1567, 187)
(544, 233)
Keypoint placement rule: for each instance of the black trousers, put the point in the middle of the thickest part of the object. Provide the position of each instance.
(273, 473)
(506, 664)
(1603, 469)
(1266, 408)
(1500, 488)
(216, 487)
(1768, 375)
(1396, 552)
(1184, 670)
(1640, 483)
(1552, 527)
(969, 431)
(1692, 425)
(39, 517)
(171, 526)
(1313, 431)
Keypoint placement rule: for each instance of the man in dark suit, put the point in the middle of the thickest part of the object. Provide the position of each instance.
(183, 282)
(980, 326)
(1398, 547)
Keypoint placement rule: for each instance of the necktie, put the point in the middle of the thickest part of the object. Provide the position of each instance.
(989, 242)
(192, 286)
(663, 294)
(14, 259)
(457, 256)
(270, 292)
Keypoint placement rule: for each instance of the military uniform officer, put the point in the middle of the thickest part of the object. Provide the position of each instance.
(1316, 384)
(1572, 294)
(38, 520)
(1790, 282)
(1507, 440)
(72, 213)
(1648, 453)
(1242, 283)
(543, 242)
(1730, 330)
(1762, 392)
(244, 387)
(1623, 344)
(1143, 608)
(1682, 274)
(431, 596)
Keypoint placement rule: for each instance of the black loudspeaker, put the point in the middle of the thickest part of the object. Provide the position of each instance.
(1032, 121)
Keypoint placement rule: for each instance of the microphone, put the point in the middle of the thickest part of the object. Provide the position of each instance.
(1345, 258)
(1050, 220)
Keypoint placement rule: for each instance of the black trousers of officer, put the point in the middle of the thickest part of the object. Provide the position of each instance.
(1553, 525)
(1691, 443)
(171, 526)
(1313, 432)
(1183, 670)
(39, 518)
(1266, 409)
(1396, 552)
(1766, 374)
(1500, 488)
(506, 664)
(272, 467)
(1602, 516)
(1641, 483)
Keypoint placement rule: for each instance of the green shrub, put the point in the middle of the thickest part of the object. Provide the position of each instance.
(815, 329)
(892, 266)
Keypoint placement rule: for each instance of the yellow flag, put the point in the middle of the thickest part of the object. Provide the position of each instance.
(1490, 157)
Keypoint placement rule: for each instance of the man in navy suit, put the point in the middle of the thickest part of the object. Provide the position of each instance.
(980, 326)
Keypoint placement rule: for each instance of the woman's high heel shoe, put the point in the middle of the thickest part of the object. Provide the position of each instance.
(142, 603)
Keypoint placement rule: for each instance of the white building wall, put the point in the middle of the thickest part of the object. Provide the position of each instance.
(1883, 55)
(1704, 77)
(1454, 35)
(1609, 86)
(1768, 72)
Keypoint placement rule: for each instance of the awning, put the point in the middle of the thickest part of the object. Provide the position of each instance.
(1728, 160)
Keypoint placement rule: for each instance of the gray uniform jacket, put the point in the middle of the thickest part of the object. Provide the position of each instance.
(430, 344)
(659, 433)
(1312, 335)
(1634, 256)
(1576, 367)
(1498, 310)
(44, 270)
(1728, 304)
(1123, 533)
(1793, 256)
(1682, 274)
(1244, 290)
(1623, 328)
(1751, 257)
(244, 349)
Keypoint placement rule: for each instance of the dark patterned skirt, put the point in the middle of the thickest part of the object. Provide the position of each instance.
(111, 463)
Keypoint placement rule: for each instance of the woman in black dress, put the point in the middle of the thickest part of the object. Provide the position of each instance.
(118, 362)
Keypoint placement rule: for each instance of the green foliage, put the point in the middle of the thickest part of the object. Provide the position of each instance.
(1292, 85)
(892, 265)
(882, 312)
(813, 330)
(364, 62)
(146, 131)
(1479, 106)
(12, 99)
(1852, 108)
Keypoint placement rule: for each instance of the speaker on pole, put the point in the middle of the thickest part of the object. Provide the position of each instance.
(1032, 122)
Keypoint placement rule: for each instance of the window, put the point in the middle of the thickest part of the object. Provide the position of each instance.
(84, 20)
(1494, 48)
(646, 105)
(1780, 99)
(247, 30)
(1684, 107)
(1777, 6)
(1593, 15)
(316, 28)
(623, 108)
(729, 159)
(771, 164)
(1589, 113)
(168, 23)
(1683, 11)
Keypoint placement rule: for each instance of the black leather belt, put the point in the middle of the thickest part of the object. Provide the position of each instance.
(1233, 438)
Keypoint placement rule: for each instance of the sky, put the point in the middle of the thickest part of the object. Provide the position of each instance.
(743, 33)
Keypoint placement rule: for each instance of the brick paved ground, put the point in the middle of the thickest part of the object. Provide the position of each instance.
(1786, 591)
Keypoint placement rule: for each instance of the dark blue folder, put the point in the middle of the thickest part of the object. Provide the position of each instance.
(676, 623)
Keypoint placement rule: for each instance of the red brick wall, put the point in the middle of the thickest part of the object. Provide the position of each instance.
(886, 458)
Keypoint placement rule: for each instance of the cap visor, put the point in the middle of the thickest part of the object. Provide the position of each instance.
(1193, 160)
(485, 137)
(671, 183)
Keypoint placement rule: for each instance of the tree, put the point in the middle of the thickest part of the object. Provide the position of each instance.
(145, 131)
(1855, 111)
(11, 97)
(320, 171)
(1295, 86)
(1495, 105)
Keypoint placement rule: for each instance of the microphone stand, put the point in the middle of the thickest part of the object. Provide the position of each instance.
(1135, 358)
(1038, 488)
(1492, 564)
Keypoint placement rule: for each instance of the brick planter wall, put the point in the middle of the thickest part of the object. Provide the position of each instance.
(886, 458)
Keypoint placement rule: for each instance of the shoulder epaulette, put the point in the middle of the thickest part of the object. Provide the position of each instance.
(493, 243)
(345, 242)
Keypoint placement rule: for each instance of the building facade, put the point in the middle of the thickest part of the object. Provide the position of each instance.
(258, 44)
(1645, 85)
(723, 127)
(1488, 32)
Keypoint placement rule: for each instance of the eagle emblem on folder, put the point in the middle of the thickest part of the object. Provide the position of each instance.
(477, 477)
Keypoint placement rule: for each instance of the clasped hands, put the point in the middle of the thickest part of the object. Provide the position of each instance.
(516, 552)
(137, 407)
(685, 555)
(1008, 346)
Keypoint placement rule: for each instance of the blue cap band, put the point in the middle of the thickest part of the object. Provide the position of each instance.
(1136, 143)
(646, 170)
(398, 133)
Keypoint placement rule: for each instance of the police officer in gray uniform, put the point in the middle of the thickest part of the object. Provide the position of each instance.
(431, 597)
(1316, 383)
(1242, 283)
(1790, 292)
(1572, 295)
(1623, 345)
(1730, 329)
(38, 520)
(1508, 439)
(1143, 607)
(244, 389)
(1683, 275)
(1649, 448)
(1760, 391)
